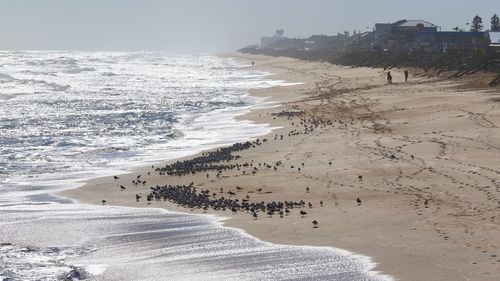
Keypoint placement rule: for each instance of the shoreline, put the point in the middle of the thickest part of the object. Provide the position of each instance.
(393, 226)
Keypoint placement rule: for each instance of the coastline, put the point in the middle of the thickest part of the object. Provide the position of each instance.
(407, 239)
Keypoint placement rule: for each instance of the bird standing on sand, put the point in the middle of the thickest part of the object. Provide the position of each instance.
(122, 187)
(358, 201)
(315, 223)
(115, 177)
(137, 197)
(254, 215)
(103, 202)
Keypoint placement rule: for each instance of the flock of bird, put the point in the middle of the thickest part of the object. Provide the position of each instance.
(189, 197)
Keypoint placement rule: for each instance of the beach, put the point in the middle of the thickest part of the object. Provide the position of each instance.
(405, 173)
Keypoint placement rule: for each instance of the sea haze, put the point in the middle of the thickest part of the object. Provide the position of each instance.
(68, 116)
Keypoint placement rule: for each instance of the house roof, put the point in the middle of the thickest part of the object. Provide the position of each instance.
(495, 38)
(411, 23)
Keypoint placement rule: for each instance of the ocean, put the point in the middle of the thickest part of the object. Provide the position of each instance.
(70, 116)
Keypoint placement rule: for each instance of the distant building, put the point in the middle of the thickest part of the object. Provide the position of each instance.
(267, 41)
(451, 41)
(494, 40)
(400, 35)
(315, 42)
(361, 41)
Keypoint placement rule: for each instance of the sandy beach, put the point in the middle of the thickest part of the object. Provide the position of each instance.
(421, 157)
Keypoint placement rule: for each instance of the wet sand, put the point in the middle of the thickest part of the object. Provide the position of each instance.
(422, 157)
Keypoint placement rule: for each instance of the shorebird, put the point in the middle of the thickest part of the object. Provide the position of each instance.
(303, 213)
(321, 203)
(103, 202)
(259, 189)
(315, 223)
(254, 215)
(115, 177)
(239, 188)
(360, 177)
(358, 201)
(122, 187)
(139, 176)
(307, 189)
(137, 197)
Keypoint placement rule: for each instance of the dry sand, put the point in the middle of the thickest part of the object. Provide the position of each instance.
(428, 152)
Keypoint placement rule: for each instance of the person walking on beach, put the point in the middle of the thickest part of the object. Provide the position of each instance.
(406, 76)
(389, 78)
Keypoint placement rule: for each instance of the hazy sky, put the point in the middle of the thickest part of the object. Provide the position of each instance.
(201, 26)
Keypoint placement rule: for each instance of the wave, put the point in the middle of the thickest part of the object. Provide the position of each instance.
(31, 72)
(20, 262)
(49, 85)
(77, 70)
(109, 74)
(4, 78)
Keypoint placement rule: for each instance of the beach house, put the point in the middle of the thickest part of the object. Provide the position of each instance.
(451, 41)
(494, 40)
(400, 35)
